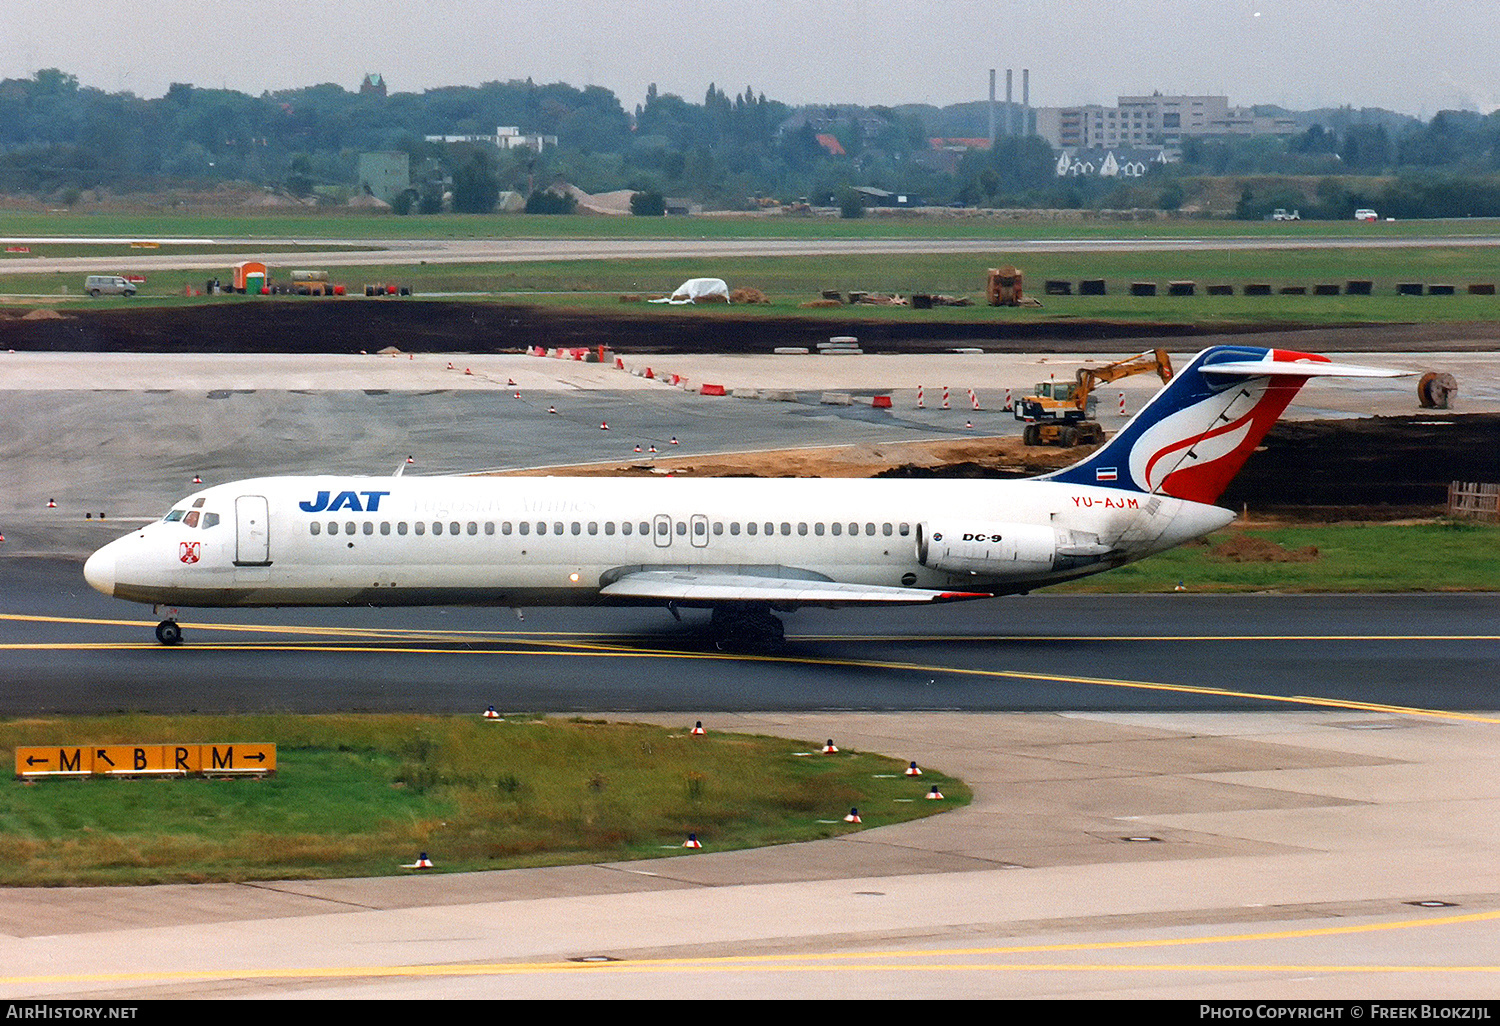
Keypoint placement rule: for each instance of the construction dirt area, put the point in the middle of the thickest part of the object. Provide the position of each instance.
(1378, 468)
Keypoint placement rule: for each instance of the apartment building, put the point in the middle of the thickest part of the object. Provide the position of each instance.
(1152, 121)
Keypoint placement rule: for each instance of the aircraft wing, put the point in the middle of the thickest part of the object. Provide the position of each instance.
(700, 586)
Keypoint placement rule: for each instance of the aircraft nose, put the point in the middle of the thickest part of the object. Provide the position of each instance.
(99, 571)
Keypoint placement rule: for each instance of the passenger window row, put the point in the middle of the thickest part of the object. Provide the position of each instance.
(700, 528)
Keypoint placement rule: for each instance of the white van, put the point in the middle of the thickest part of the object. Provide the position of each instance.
(108, 285)
(1366, 214)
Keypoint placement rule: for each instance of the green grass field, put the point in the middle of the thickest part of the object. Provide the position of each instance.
(790, 281)
(316, 224)
(1441, 556)
(363, 795)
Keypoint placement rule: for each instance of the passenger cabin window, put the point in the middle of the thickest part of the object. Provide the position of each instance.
(401, 527)
(419, 527)
(315, 528)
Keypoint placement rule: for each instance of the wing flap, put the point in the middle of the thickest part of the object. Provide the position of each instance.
(693, 586)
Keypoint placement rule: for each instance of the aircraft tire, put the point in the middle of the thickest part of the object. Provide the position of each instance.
(169, 633)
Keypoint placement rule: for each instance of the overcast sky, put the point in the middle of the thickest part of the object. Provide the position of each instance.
(1415, 56)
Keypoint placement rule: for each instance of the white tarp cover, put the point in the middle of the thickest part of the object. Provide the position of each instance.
(695, 289)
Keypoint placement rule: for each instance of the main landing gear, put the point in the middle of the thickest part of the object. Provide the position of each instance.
(746, 627)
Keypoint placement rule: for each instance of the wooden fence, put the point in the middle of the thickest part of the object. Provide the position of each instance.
(1474, 500)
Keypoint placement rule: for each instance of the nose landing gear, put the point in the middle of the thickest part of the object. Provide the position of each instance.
(167, 632)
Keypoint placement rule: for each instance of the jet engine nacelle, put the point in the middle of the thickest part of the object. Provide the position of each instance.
(987, 548)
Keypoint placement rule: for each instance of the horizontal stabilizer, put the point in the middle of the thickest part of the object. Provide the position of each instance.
(1299, 368)
(696, 586)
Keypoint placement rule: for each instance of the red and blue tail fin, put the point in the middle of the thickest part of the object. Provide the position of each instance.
(1196, 433)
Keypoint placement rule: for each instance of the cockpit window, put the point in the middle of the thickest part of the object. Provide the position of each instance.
(210, 520)
(176, 514)
(191, 520)
(198, 503)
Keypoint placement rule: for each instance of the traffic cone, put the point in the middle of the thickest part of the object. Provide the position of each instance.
(651, 449)
(423, 862)
(1180, 587)
(691, 842)
(552, 409)
(935, 794)
(829, 749)
(511, 382)
(674, 440)
(637, 448)
(197, 479)
(2, 536)
(518, 395)
(450, 364)
(469, 371)
(491, 714)
(604, 425)
(410, 461)
(969, 424)
(698, 728)
(912, 770)
(853, 817)
(51, 504)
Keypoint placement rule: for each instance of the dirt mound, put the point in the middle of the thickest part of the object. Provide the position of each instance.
(1244, 548)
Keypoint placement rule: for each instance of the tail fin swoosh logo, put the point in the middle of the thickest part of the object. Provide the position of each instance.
(1192, 438)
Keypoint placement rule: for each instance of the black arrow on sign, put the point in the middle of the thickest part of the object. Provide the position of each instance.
(258, 758)
(99, 754)
(32, 760)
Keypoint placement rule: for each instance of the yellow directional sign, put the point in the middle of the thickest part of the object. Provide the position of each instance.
(55, 760)
(236, 759)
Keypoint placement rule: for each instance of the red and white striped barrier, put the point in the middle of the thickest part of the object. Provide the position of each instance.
(1009, 406)
(973, 399)
(921, 403)
(1122, 404)
(945, 397)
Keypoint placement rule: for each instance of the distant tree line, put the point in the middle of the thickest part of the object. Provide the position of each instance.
(58, 138)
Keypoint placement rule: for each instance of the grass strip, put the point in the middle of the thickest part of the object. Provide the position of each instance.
(1448, 555)
(361, 795)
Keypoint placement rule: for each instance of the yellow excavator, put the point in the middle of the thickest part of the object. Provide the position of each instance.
(1062, 413)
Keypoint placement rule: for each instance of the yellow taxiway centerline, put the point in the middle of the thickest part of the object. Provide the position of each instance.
(857, 961)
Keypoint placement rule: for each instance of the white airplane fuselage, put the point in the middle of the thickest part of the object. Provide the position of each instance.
(563, 541)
